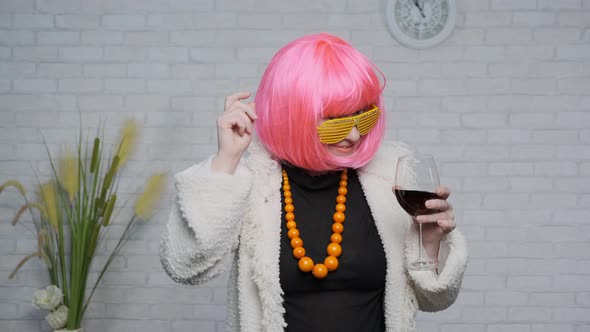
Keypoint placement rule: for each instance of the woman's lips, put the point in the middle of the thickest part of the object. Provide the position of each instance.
(345, 148)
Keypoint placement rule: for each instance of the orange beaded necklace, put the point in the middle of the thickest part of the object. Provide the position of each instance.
(334, 249)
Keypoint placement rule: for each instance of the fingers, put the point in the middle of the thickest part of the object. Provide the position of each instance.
(443, 220)
(229, 100)
(242, 125)
(238, 116)
(239, 121)
(446, 225)
(435, 217)
(239, 106)
(251, 111)
(248, 109)
(443, 192)
(438, 204)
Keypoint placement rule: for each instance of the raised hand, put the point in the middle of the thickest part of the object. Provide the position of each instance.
(235, 127)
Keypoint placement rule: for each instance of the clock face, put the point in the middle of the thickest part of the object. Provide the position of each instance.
(420, 23)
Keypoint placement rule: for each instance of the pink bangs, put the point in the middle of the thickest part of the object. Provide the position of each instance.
(312, 78)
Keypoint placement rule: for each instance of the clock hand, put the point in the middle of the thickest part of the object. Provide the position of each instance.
(417, 4)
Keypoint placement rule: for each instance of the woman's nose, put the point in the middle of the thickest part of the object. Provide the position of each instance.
(354, 135)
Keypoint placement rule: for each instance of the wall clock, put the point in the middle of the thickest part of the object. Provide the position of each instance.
(420, 23)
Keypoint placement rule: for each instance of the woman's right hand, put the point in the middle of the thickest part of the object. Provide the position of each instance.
(235, 128)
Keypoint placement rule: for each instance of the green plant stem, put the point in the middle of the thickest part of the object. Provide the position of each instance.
(49, 249)
(114, 253)
(62, 264)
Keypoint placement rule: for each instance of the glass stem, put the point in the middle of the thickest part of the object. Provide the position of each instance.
(420, 243)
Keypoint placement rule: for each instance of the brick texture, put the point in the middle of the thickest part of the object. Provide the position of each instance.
(503, 104)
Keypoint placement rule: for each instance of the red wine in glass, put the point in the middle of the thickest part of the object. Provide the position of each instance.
(416, 180)
(414, 201)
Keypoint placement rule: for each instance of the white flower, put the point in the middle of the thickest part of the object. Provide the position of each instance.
(48, 298)
(58, 318)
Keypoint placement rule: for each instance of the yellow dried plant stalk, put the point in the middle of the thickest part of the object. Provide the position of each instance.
(24, 208)
(50, 203)
(129, 135)
(15, 184)
(69, 174)
(146, 202)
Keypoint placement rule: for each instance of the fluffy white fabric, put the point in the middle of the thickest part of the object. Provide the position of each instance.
(217, 215)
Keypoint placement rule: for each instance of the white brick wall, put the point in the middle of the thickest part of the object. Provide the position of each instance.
(504, 105)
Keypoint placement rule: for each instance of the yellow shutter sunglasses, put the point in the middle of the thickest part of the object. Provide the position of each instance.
(335, 130)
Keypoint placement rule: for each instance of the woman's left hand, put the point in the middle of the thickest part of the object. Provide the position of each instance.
(436, 225)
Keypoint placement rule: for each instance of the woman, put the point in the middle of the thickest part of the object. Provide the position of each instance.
(317, 176)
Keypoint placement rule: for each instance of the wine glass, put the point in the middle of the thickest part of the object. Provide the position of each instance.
(416, 180)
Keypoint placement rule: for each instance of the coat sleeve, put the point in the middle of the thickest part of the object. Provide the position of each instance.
(434, 291)
(204, 223)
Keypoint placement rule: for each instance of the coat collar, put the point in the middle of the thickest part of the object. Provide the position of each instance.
(261, 236)
(263, 229)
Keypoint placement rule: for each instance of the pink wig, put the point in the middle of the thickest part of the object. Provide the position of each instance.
(310, 79)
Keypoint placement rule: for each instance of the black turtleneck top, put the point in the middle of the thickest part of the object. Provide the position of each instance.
(349, 299)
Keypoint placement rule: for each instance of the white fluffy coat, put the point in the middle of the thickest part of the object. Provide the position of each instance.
(219, 219)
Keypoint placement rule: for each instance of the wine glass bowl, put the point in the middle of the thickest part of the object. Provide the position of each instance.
(416, 180)
(414, 201)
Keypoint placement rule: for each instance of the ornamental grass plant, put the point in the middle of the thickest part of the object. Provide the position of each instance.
(71, 215)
